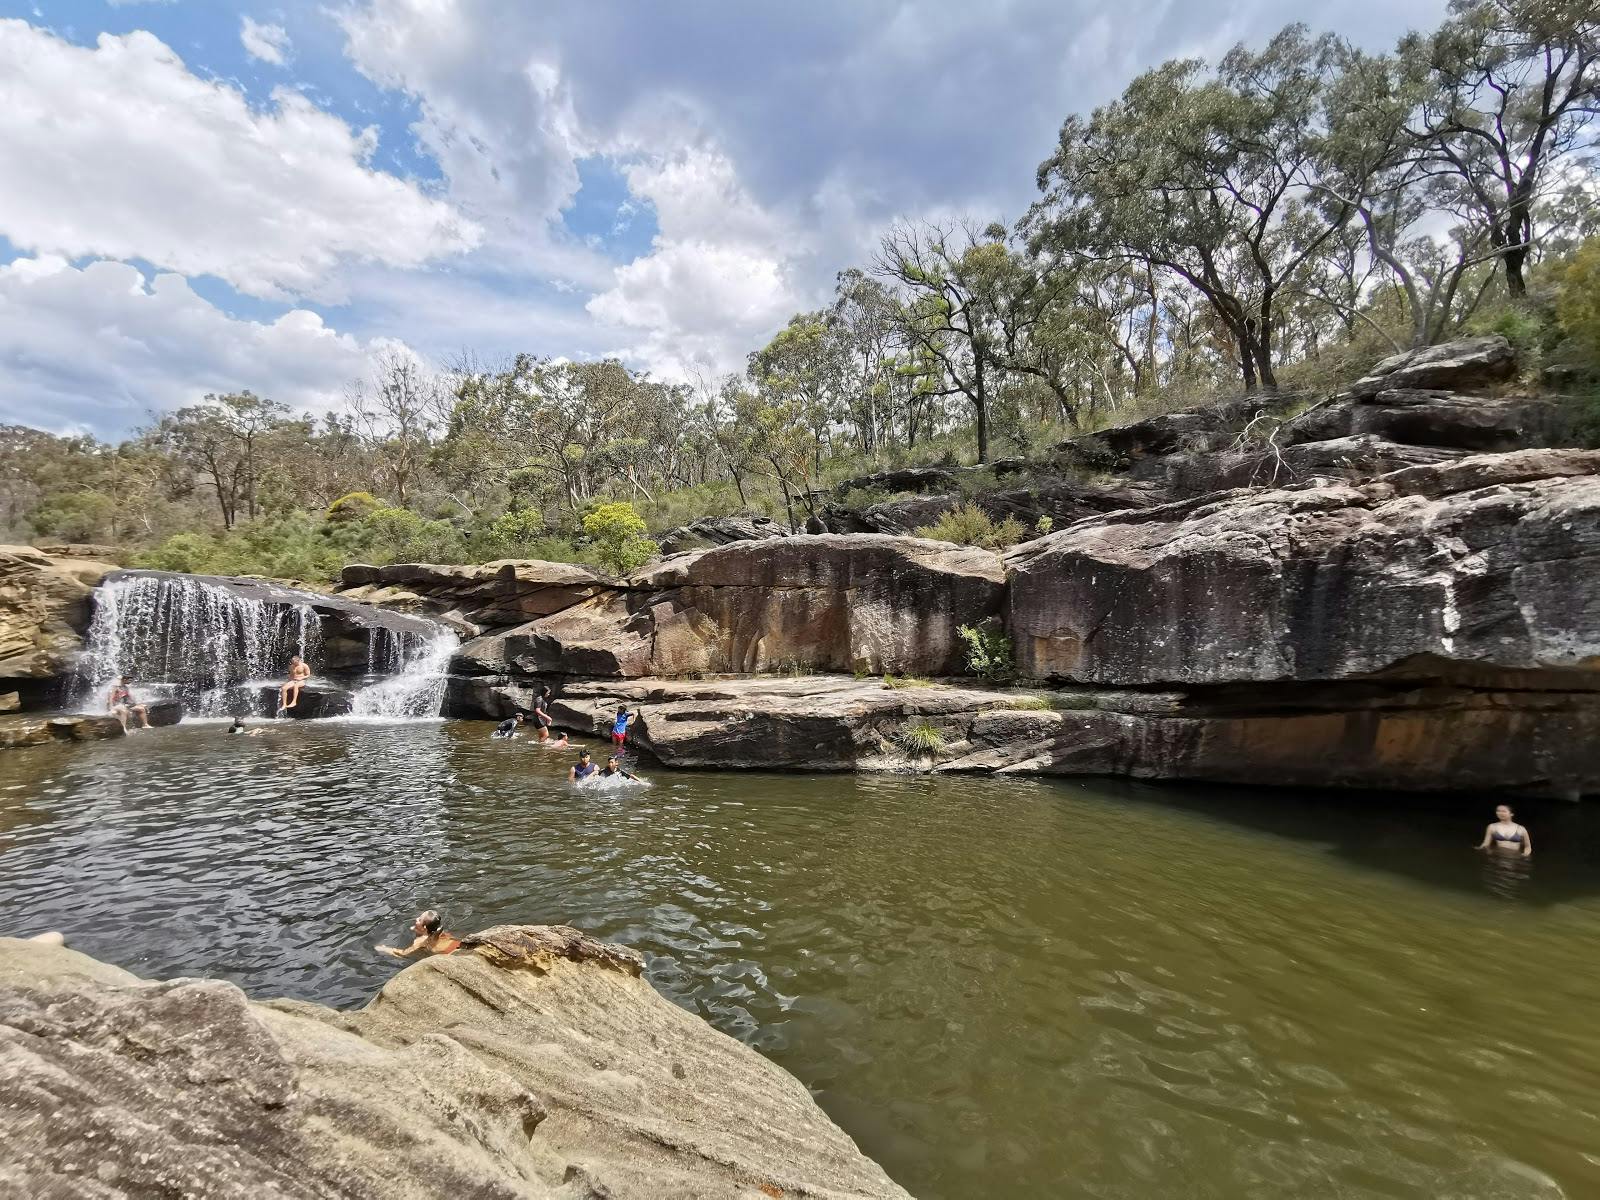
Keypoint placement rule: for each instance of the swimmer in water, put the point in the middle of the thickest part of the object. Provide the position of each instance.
(429, 928)
(238, 727)
(583, 769)
(508, 727)
(289, 693)
(1505, 834)
(613, 768)
(561, 743)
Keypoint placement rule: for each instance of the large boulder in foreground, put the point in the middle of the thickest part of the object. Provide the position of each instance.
(804, 603)
(534, 1062)
(44, 609)
(1490, 561)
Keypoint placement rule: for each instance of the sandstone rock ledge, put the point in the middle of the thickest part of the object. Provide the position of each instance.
(535, 1062)
(1392, 734)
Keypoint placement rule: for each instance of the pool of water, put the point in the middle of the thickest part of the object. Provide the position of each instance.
(1028, 988)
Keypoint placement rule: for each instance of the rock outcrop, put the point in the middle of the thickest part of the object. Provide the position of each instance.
(473, 598)
(1371, 734)
(1492, 561)
(21, 729)
(719, 531)
(807, 602)
(533, 1062)
(44, 609)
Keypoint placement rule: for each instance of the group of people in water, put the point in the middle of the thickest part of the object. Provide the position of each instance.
(585, 768)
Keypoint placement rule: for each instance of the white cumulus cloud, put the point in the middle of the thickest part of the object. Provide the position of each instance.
(131, 156)
(100, 347)
(269, 43)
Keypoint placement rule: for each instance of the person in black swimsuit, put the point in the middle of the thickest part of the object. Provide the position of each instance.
(583, 769)
(508, 727)
(613, 769)
(1506, 835)
(541, 712)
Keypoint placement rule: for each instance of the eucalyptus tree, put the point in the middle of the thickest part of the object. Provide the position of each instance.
(228, 441)
(1508, 113)
(864, 320)
(954, 277)
(1208, 178)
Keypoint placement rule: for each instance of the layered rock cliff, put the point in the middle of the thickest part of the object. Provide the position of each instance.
(534, 1062)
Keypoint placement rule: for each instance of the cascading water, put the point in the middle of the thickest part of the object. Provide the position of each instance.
(415, 681)
(222, 647)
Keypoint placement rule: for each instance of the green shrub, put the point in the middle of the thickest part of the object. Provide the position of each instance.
(988, 652)
(392, 535)
(969, 525)
(1578, 299)
(618, 534)
(190, 552)
(921, 739)
(353, 506)
(1045, 524)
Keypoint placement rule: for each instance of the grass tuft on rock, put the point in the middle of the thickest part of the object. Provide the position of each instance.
(921, 739)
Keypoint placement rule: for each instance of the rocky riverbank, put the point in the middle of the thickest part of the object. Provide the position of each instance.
(534, 1062)
(1394, 587)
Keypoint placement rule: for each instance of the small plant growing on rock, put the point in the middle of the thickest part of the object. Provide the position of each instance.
(969, 525)
(906, 681)
(921, 739)
(1045, 524)
(1029, 704)
(988, 650)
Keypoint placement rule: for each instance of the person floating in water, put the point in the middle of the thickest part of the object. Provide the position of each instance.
(289, 693)
(1505, 834)
(239, 727)
(541, 712)
(561, 743)
(583, 769)
(430, 936)
(613, 768)
(508, 727)
(121, 704)
(619, 727)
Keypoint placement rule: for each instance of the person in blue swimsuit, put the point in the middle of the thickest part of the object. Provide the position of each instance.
(1505, 834)
(619, 727)
(583, 769)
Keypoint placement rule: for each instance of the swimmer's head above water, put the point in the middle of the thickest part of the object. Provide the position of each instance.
(428, 923)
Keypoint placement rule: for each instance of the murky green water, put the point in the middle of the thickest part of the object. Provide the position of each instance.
(1041, 989)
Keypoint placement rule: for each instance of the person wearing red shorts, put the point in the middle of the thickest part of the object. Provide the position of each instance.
(619, 727)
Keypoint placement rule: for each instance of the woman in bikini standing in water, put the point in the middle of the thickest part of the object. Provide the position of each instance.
(1505, 834)
(429, 928)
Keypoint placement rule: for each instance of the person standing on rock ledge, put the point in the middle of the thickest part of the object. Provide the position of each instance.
(541, 712)
(619, 727)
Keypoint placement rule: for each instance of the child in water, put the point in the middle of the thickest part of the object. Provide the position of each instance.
(429, 928)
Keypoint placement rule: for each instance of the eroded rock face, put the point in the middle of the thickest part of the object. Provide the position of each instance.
(534, 1062)
(44, 609)
(1469, 364)
(1363, 735)
(473, 598)
(20, 729)
(824, 602)
(1493, 560)
(719, 531)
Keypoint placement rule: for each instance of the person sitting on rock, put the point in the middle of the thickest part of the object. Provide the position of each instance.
(122, 705)
(430, 936)
(508, 727)
(541, 712)
(583, 769)
(289, 693)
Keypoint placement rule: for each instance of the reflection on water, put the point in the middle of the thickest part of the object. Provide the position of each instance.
(1107, 990)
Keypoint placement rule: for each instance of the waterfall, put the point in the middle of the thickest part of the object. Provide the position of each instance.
(415, 671)
(222, 647)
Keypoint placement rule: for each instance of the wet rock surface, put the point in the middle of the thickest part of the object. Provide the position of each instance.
(27, 729)
(44, 610)
(533, 1062)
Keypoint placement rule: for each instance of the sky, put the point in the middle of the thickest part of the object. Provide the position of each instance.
(200, 196)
